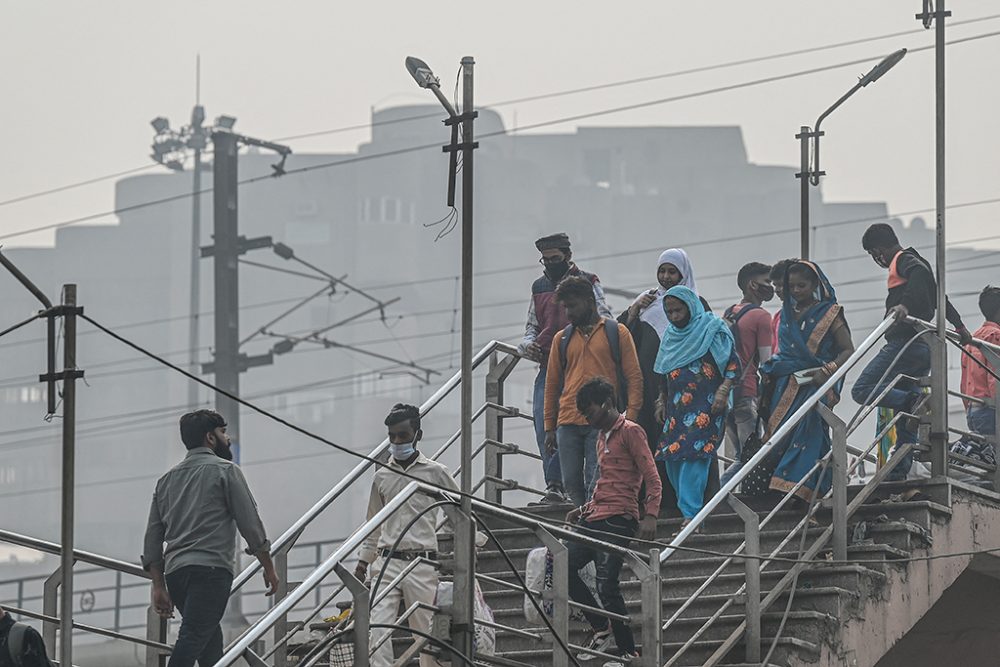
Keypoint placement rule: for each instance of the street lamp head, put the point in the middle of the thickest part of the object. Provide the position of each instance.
(225, 122)
(160, 124)
(421, 72)
(887, 64)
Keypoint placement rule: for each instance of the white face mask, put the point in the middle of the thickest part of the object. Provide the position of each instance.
(403, 451)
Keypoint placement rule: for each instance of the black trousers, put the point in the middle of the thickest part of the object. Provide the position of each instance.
(200, 594)
(609, 566)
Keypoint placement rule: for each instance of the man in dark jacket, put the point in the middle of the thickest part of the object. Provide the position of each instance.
(912, 292)
(31, 648)
(546, 318)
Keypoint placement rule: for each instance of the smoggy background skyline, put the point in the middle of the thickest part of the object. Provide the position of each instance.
(84, 81)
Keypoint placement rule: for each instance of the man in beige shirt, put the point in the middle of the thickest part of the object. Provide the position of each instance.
(420, 541)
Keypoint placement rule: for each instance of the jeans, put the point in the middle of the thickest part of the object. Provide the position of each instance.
(608, 572)
(916, 362)
(578, 460)
(982, 420)
(200, 594)
(550, 462)
(740, 423)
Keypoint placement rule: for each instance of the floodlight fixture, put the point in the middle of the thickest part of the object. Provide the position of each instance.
(160, 124)
(225, 122)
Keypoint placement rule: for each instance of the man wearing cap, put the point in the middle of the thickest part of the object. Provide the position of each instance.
(546, 317)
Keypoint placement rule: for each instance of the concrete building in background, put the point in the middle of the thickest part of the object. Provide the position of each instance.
(623, 194)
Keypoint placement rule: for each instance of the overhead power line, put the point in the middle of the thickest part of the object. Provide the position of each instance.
(548, 123)
(534, 98)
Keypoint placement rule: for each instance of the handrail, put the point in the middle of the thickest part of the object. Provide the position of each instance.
(776, 438)
(951, 333)
(310, 515)
(82, 556)
(351, 544)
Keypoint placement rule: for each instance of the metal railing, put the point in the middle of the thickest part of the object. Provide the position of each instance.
(155, 641)
(501, 359)
(833, 536)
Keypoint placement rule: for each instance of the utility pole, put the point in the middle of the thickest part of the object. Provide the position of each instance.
(69, 311)
(169, 149)
(228, 247)
(462, 622)
(939, 353)
(69, 376)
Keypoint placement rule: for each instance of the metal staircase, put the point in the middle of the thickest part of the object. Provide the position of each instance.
(716, 594)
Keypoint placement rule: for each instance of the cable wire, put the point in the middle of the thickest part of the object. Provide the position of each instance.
(540, 124)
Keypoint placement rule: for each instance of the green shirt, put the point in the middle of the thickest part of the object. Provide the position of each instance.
(196, 510)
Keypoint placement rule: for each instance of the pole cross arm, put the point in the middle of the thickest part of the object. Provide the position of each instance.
(243, 245)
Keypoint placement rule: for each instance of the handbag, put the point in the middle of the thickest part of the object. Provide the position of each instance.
(758, 481)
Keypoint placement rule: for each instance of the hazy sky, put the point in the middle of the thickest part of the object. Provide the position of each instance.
(82, 80)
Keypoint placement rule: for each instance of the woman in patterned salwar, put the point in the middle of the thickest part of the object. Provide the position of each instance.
(814, 340)
(698, 362)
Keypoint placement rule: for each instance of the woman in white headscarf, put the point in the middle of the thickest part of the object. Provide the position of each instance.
(647, 321)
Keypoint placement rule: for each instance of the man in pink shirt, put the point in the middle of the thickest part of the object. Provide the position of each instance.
(612, 514)
(751, 327)
(978, 383)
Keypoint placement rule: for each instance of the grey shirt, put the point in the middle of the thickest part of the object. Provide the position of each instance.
(197, 508)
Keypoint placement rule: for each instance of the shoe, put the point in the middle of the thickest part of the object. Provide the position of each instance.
(625, 660)
(554, 496)
(600, 640)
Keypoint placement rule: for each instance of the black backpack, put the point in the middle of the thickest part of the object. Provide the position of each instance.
(17, 644)
(611, 329)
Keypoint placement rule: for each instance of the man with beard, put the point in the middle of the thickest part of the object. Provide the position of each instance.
(545, 318)
(197, 508)
(594, 346)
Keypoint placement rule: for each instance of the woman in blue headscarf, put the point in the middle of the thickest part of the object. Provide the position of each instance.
(699, 365)
(814, 340)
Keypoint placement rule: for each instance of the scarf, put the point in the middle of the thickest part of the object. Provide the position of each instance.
(704, 333)
(654, 315)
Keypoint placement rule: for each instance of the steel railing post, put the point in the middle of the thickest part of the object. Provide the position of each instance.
(50, 607)
(651, 591)
(118, 601)
(751, 523)
(493, 466)
(838, 460)
(156, 630)
(361, 614)
(559, 593)
(493, 461)
(281, 625)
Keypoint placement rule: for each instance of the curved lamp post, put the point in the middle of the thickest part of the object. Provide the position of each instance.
(462, 618)
(811, 174)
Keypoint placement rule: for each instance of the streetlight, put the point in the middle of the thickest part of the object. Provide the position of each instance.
(462, 619)
(170, 149)
(810, 175)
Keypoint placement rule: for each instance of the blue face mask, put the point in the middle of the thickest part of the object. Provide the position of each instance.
(403, 451)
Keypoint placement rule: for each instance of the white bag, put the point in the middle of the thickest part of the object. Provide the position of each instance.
(538, 577)
(485, 636)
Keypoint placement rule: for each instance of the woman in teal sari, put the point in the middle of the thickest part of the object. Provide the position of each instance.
(814, 340)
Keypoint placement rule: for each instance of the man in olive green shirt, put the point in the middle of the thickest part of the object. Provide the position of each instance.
(197, 508)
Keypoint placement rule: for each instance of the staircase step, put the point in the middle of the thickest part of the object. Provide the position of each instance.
(696, 655)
